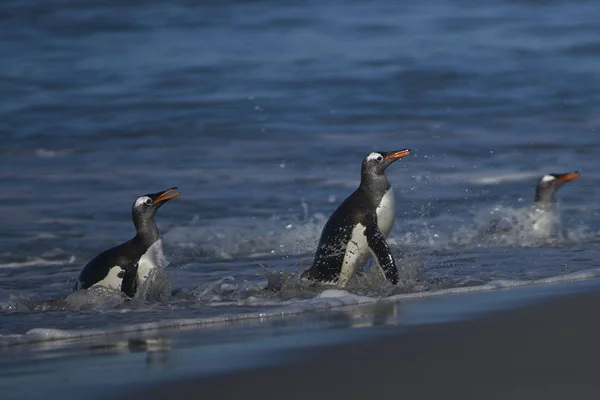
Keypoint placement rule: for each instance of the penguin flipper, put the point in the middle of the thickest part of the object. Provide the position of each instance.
(380, 250)
(129, 284)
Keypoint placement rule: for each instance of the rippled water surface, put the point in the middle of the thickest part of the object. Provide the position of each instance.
(261, 114)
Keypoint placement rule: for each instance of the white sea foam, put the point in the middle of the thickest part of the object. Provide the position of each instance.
(482, 177)
(494, 179)
(37, 262)
(46, 153)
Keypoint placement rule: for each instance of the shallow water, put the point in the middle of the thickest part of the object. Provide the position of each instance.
(261, 114)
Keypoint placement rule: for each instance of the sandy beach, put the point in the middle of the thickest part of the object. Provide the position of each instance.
(544, 351)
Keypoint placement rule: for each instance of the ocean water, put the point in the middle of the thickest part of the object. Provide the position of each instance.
(261, 113)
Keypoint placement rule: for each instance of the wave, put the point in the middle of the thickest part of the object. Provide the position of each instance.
(504, 178)
(325, 300)
(37, 262)
(480, 178)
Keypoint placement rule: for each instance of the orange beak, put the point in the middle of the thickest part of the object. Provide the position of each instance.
(396, 155)
(570, 176)
(166, 195)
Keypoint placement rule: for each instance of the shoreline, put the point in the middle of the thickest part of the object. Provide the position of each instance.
(547, 350)
(328, 300)
(317, 350)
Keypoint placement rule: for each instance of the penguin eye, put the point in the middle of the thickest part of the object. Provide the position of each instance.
(379, 158)
(148, 202)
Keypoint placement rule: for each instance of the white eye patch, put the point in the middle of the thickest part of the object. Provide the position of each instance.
(142, 200)
(374, 156)
(548, 178)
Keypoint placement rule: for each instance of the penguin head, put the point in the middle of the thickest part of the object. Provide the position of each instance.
(549, 184)
(146, 206)
(376, 162)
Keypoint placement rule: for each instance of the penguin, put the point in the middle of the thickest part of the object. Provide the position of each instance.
(543, 214)
(127, 266)
(358, 228)
(549, 184)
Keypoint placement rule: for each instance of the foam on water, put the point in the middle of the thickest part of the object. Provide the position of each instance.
(157, 288)
(486, 177)
(37, 262)
(325, 300)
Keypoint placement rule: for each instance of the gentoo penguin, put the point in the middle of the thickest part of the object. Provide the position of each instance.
(549, 184)
(357, 229)
(126, 267)
(544, 217)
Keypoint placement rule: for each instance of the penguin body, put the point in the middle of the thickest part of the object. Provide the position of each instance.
(127, 266)
(358, 228)
(543, 213)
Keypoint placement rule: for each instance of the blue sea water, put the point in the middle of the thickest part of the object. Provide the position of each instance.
(261, 112)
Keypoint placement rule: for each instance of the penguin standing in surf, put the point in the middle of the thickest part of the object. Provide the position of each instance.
(358, 228)
(127, 266)
(543, 214)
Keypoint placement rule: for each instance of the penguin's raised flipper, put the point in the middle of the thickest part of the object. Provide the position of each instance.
(380, 250)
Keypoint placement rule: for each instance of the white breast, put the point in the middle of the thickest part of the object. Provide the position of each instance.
(357, 253)
(152, 259)
(112, 279)
(357, 250)
(543, 222)
(386, 212)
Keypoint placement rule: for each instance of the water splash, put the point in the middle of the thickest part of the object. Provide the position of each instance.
(95, 297)
(248, 237)
(518, 227)
(157, 289)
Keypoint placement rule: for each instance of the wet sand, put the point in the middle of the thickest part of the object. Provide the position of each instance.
(546, 351)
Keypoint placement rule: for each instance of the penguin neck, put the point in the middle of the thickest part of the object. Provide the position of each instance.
(543, 197)
(147, 231)
(377, 184)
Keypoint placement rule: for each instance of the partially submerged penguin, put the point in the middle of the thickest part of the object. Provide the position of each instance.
(549, 184)
(358, 228)
(127, 266)
(544, 216)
